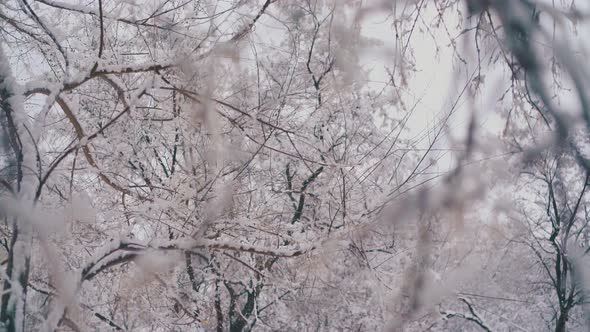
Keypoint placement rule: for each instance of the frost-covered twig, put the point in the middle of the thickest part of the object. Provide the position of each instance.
(472, 317)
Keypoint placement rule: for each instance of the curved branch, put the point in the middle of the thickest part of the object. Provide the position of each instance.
(85, 148)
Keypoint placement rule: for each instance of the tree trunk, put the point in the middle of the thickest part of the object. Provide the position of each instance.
(561, 321)
(14, 290)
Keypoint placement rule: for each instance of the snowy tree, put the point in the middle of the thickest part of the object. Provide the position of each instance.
(235, 166)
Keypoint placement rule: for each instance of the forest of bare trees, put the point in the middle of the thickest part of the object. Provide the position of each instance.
(285, 165)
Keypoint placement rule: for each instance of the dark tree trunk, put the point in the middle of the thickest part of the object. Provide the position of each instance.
(562, 321)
